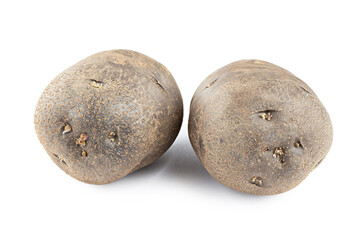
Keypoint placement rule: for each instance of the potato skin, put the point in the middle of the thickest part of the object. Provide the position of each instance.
(109, 115)
(257, 128)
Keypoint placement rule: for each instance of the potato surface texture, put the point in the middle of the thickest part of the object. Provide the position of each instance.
(257, 128)
(109, 115)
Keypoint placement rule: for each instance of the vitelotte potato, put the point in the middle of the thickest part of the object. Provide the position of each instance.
(109, 115)
(257, 128)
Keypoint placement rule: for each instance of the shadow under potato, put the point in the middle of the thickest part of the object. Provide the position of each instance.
(181, 165)
(179, 162)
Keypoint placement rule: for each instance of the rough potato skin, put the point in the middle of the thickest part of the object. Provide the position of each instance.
(257, 128)
(109, 115)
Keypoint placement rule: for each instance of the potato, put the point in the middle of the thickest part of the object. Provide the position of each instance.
(109, 115)
(257, 128)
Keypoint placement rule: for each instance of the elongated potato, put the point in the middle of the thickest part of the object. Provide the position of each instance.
(109, 115)
(257, 128)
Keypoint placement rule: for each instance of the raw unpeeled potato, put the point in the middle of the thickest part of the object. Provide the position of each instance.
(257, 128)
(109, 115)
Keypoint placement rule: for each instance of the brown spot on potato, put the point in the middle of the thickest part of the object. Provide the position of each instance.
(279, 154)
(112, 136)
(154, 79)
(266, 115)
(212, 83)
(95, 83)
(84, 153)
(298, 144)
(308, 92)
(61, 160)
(67, 128)
(82, 140)
(257, 181)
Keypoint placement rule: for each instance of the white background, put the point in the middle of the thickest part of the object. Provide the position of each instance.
(175, 198)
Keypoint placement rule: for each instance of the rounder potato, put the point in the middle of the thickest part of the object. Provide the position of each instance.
(109, 115)
(257, 128)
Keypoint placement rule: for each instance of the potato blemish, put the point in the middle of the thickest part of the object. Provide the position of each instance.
(257, 181)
